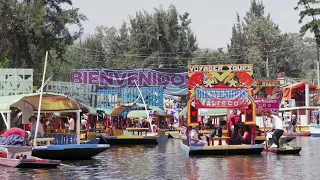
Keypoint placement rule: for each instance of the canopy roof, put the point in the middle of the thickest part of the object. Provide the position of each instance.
(106, 111)
(213, 112)
(120, 109)
(141, 114)
(50, 102)
(300, 86)
(207, 112)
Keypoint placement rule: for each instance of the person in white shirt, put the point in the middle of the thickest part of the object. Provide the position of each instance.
(194, 138)
(277, 128)
(71, 124)
(40, 133)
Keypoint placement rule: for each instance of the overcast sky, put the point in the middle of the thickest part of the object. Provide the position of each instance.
(212, 20)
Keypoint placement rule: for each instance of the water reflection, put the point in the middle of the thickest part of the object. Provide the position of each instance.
(168, 162)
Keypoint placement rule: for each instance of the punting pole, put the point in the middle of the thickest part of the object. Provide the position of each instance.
(145, 106)
(40, 100)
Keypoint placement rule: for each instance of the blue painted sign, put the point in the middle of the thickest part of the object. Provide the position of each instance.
(153, 96)
(107, 99)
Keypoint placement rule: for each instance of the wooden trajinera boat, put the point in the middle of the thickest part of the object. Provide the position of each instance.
(20, 157)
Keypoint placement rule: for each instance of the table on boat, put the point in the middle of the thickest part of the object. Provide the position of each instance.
(139, 130)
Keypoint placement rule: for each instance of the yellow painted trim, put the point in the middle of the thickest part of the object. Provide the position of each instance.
(131, 137)
(226, 147)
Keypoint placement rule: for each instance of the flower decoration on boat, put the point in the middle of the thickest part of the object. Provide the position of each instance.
(195, 79)
(245, 79)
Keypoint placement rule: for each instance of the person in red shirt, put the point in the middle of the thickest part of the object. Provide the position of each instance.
(234, 119)
(247, 136)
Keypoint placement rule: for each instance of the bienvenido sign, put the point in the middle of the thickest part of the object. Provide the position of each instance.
(222, 98)
(221, 68)
(125, 78)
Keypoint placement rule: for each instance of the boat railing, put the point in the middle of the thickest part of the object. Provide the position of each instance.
(62, 138)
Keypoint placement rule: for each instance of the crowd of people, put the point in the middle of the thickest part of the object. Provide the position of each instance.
(18, 136)
(239, 132)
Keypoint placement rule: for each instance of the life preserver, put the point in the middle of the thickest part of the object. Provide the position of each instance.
(15, 130)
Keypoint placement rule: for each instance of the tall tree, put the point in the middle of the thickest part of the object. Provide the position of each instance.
(31, 27)
(310, 9)
(258, 40)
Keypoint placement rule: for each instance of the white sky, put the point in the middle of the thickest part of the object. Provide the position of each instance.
(212, 20)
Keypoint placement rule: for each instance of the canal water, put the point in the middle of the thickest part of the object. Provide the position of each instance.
(168, 162)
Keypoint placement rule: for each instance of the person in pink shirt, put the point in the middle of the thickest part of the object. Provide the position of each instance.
(234, 119)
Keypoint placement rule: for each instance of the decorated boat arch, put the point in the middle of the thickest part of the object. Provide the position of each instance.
(221, 86)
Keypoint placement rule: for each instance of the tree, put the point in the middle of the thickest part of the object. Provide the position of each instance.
(258, 40)
(31, 27)
(165, 37)
(310, 9)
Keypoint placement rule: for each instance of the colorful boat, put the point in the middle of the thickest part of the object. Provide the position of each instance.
(69, 151)
(222, 149)
(126, 136)
(225, 87)
(315, 130)
(64, 145)
(20, 157)
(133, 140)
(286, 150)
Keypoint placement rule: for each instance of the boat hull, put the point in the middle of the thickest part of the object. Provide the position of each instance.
(69, 152)
(29, 163)
(301, 133)
(173, 134)
(133, 140)
(293, 150)
(223, 149)
(315, 130)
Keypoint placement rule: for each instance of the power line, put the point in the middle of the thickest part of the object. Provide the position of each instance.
(258, 54)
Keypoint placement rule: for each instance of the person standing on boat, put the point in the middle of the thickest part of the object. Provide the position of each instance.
(71, 124)
(277, 128)
(234, 120)
(294, 122)
(33, 120)
(194, 138)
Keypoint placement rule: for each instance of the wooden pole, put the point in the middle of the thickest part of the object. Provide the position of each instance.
(265, 133)
(40, 99)
(144, 103)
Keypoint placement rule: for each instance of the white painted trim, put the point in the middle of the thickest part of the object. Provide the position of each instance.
(300, 108)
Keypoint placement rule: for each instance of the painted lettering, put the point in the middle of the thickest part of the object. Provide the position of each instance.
(93, 77)
(177, 80)
(163, 80)
(76, 77)
(124, 79)
(145, 79)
